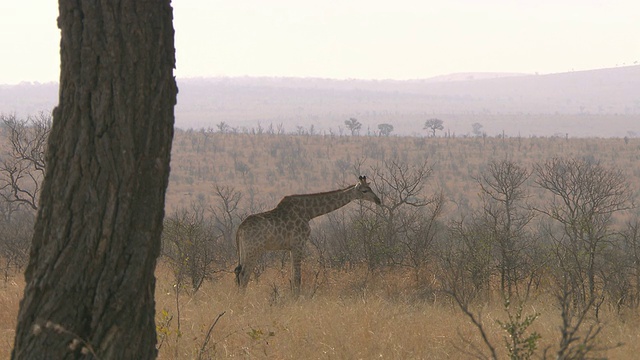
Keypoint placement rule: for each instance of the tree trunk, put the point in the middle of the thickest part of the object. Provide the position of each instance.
(90, 282)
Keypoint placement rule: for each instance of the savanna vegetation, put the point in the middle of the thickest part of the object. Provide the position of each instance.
(484, 247)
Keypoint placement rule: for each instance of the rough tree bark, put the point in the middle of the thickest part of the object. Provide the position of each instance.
(89, 283)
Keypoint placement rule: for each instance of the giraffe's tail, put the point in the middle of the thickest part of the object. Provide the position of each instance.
(238, 271)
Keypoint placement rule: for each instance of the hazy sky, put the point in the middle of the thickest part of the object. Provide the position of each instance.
(366, 39)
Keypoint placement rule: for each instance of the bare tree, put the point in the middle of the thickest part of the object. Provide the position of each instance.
(505, 217)
(494, 239)
(226, 217)
(207, 135)
(585, 195)
(631, 251)
(16, 229)
(410, 215)
(22, 166)
(468, 260)
(337, 242)
(21, 172)
(90, 281)
(189, 245)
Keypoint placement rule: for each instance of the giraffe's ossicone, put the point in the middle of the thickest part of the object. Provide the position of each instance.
(286, 227)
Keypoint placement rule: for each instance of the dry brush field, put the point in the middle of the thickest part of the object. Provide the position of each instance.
(352, 312)
(349, 319)
(268, 167)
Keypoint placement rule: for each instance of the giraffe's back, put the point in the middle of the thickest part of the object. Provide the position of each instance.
(272, 230)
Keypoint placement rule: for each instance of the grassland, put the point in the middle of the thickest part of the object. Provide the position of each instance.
(347, 318)
(352, 314)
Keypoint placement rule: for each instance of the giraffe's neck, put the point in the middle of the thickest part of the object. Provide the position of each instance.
(310, 206)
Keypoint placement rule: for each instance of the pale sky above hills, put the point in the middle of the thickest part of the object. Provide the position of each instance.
(356, 39)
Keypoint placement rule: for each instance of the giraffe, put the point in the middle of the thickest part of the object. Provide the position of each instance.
(286, 227)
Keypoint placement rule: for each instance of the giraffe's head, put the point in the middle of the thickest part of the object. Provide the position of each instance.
(364, 192)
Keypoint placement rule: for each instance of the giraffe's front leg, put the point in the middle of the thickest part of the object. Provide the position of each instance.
(296, 276)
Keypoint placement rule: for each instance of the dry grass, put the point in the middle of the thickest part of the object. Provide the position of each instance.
(348, 318)
(345, 317)
(10, 295)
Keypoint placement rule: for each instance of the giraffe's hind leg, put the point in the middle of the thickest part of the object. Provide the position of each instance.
(296, 276)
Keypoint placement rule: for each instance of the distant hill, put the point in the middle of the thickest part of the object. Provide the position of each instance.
(603, 102)
(472, 76)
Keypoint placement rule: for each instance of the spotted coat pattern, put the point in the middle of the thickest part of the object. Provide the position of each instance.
(286, 227)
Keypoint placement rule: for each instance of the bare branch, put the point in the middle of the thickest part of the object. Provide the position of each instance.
(23, 165)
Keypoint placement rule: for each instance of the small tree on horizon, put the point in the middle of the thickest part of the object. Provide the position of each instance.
(433, 125)
(477, 129)
(385, 129)
(354, 125)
